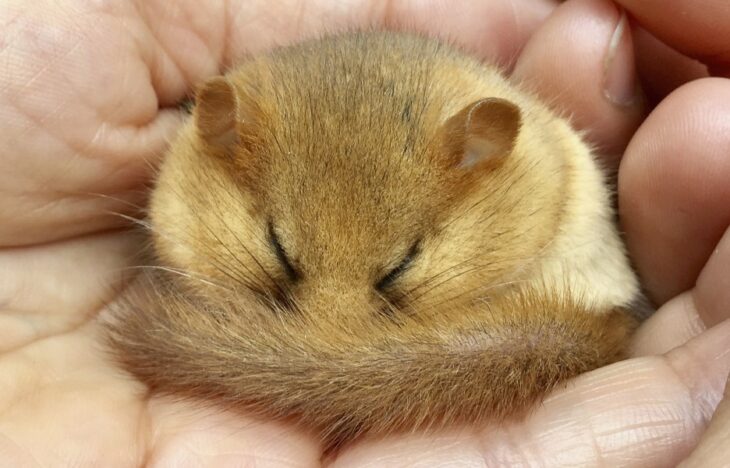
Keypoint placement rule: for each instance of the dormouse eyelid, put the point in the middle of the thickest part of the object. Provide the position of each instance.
(396, 272)
(281, 255)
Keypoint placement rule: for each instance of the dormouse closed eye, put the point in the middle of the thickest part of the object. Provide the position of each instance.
(291, 272)
(389, 278)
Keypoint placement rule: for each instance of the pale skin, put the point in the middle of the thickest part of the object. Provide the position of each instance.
(87, 102)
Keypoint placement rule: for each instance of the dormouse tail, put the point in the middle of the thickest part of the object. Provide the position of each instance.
(347, 380)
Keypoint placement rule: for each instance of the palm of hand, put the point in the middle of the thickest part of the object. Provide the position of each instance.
(80, 118)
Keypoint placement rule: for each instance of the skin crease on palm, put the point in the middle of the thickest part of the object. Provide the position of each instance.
(87, 102)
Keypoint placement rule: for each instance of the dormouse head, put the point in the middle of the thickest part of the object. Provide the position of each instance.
(342, 188)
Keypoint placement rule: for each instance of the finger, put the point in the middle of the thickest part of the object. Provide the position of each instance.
(53, 288)
(582, 61)
(673, 186)
(78, 117)
(495, 30)
(44, 202)
(675, 323)
(62, 405)
(697, 29)
(642, 412)
(661, 68)
(712, 291)
(186, 434)
(690, 313)
(713, 449)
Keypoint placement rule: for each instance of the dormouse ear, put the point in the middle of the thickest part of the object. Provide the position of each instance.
(482, 133)
(216, 114)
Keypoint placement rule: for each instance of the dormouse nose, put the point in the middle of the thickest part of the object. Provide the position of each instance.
(338, 300)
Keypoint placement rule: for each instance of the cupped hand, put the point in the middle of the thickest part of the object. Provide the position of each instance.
(88, 100)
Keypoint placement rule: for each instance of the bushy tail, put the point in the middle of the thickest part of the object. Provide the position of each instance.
(346, 379)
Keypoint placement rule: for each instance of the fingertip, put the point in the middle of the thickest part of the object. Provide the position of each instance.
(582, 60)
(712, 291)
(144, 144)
(492, 30)
(672, 325)
(703, 364)
(673, 186)
(686, 316)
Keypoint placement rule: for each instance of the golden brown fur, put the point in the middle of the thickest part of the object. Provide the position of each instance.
(354, 153)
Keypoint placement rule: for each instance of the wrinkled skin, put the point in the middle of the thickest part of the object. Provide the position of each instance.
(87, 101)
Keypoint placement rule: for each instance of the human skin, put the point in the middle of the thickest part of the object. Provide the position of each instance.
(88, 95)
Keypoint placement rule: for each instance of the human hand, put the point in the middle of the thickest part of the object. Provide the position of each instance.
(80, 123)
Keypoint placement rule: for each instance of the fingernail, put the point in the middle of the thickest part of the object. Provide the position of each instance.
(712, 289)
(619, 71)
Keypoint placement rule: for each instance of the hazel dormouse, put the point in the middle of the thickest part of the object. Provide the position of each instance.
(374, 232)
